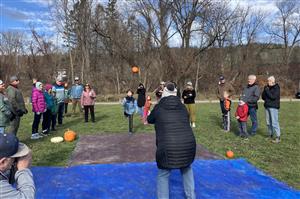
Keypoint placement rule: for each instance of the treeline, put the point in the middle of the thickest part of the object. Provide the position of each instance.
(103, 42)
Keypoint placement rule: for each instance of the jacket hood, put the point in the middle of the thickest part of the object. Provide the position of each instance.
(170, 102)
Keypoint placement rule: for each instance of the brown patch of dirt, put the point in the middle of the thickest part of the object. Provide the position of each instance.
(120, 148)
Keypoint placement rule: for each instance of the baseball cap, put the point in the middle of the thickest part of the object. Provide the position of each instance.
(189, 83)
(11, 147)
(76, 78)
(221, 77)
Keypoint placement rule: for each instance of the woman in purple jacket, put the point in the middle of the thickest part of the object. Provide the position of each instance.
(38, 107)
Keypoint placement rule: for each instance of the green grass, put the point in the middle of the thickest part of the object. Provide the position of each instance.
(282, 161)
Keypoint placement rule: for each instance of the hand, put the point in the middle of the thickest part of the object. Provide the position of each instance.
(237, 117)
(82, 107)
(45, 110)
(38, 113)
(24, 162)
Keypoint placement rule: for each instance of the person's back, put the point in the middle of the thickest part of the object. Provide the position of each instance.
(175, 138)
(175, 142)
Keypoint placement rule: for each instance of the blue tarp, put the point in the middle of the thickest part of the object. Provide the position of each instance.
(213, 178)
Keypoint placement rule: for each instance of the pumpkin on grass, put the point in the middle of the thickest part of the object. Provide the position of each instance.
(70, 135)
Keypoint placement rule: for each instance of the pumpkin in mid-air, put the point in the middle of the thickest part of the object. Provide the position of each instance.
(69, 136)
(135, 69)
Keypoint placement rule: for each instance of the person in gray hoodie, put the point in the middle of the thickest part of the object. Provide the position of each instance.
(15, 160)
(251, 94)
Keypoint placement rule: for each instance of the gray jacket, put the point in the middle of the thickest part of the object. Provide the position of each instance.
(251, 94)
(17, 101)
(25, 188)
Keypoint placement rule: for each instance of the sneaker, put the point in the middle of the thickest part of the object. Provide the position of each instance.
(193, 125)
(277, 140)
(44, 134)
(35, 136)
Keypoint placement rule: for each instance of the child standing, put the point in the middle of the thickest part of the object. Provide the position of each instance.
(226, 113)
(38, 107)
(241, 115)
(87, 101)
(129, 104)
(48, 114)
(54, 111)
(147, 109)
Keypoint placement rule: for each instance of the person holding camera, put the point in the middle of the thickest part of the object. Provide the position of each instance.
(16, 99)
(15, 161)
(6, 113)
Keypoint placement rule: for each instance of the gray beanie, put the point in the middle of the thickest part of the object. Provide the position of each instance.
(13, 78)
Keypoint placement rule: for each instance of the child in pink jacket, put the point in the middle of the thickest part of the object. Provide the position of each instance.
(38, 108)
(87, 101)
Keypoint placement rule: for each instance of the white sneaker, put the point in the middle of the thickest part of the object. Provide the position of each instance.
(35, 136)
(193, 125)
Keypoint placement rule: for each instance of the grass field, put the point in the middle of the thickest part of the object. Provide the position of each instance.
(282, 161)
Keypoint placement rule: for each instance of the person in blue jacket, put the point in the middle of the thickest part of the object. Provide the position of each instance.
(130, 106)
(75, 94)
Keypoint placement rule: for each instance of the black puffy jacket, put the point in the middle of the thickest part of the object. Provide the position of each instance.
(175, 141)
(271, 96)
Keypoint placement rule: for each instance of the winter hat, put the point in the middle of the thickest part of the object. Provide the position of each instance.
(169, 90)
(13, 78)
(48, 87)
(76, 78)
(38, 85)
(189, 83)
(221, 77)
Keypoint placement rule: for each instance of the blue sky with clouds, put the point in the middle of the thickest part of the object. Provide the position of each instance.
(18, 14)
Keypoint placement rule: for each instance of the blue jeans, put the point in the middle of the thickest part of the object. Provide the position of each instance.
(140, 111)
(163, 183)
(253, 117)
(272, 121)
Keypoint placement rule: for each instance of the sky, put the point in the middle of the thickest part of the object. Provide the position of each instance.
(19, 15)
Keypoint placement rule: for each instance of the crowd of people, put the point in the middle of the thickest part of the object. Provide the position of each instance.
(174, 117)
(49, 104)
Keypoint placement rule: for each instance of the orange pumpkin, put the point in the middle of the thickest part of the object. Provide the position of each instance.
(229, 154)
(69, 135)
(135, 69)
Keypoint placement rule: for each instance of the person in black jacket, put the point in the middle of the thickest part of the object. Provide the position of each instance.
(175, 142)
(271, 96)
(141, 100)
(188, 96)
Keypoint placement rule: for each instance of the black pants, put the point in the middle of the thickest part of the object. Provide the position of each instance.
(36, 122)
(53, 120)
(46, 120)
(66, 108)
(86, 113)
(60, 112)
(130, 121)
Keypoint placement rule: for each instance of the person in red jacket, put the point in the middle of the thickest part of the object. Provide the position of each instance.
(241, 115)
